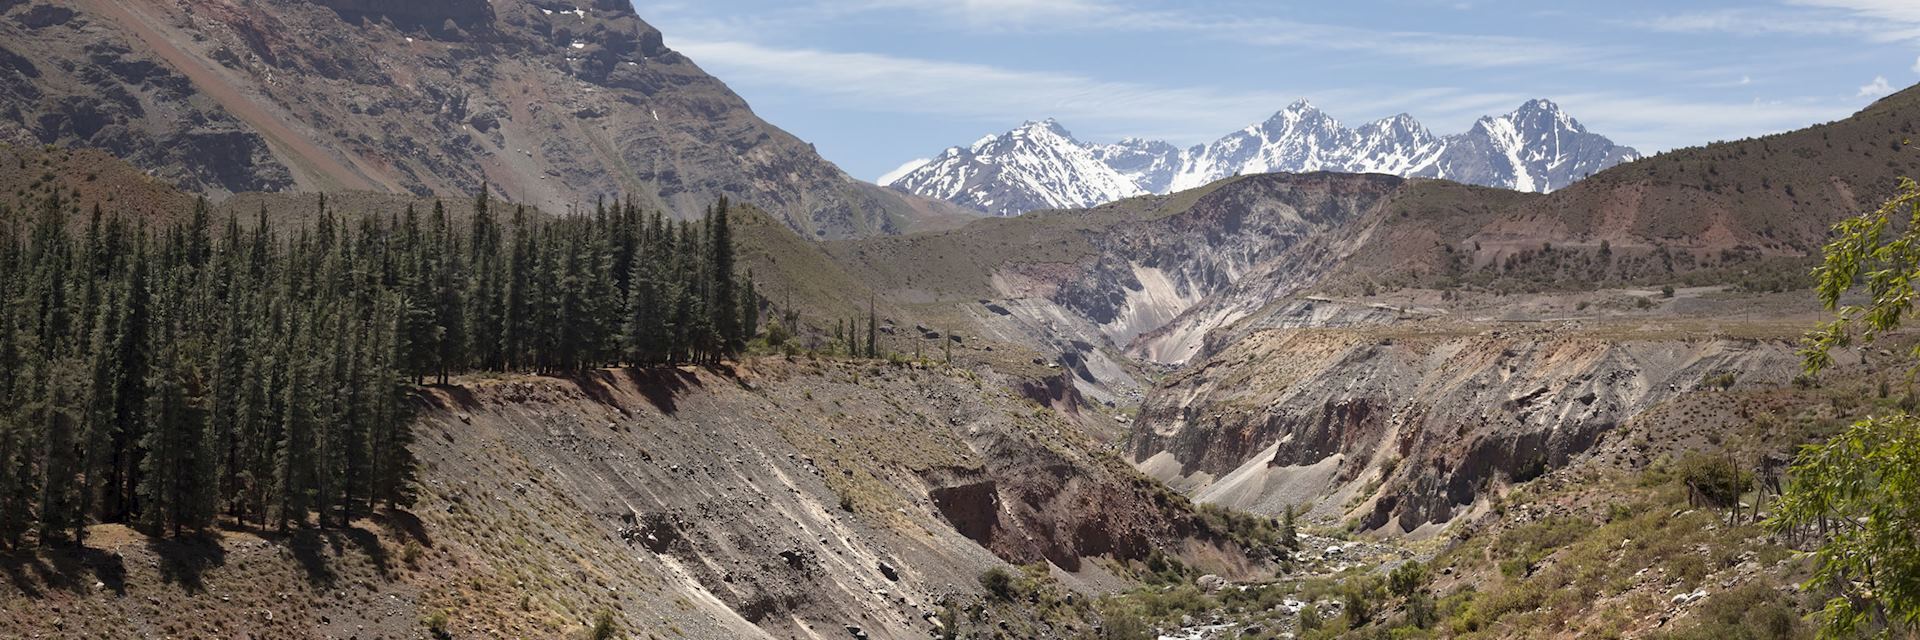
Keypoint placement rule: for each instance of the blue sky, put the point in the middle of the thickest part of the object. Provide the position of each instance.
(875, 83)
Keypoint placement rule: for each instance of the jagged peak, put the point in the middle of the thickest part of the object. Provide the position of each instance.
(1541, 108)
(1301, 137)
(1537, 104)
(1400, 122)
(1300, 111)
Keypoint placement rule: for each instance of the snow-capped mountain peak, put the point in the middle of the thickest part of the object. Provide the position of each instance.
(1536, 147)
(1038, 165)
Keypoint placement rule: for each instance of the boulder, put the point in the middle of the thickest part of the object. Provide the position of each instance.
(1211, 583)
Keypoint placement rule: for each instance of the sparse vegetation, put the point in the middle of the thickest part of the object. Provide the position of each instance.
(604, 627)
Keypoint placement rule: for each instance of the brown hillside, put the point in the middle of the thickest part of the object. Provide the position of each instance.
(783, 499)
(84, 179)
(551, 102)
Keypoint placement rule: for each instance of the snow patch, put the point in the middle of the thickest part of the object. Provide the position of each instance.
(888, 178)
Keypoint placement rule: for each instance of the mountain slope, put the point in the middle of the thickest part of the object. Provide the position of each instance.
(1751, 211)
(549, 101)
(1537, 147)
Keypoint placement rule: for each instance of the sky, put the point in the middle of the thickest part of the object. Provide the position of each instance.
(874, 84)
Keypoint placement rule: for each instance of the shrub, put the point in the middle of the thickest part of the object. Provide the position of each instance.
(1358, 599)
(412, 553)
(777, 334)
(1124, 625)
(1714, 479)
(998, 583)
(1310, 617)
(439, 624)
(603, 626)
(1408, 579)
(1748, 612)
(1421, 611)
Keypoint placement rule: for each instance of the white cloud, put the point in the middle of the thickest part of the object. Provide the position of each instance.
(1877, 88)
(1906, 11)
(996, 13)
(1761, 21)
(1848, 18)
(1104, 110)
(1889, 19)
(1654, 124)
(1054, 17)
(1916, 65)
(988, 94)
(901, 171)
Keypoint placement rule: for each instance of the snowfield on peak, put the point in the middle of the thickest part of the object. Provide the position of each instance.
(1037, 166)
(1537, 147)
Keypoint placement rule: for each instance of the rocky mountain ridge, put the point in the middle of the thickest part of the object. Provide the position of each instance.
(1536, 148)
(550, 102)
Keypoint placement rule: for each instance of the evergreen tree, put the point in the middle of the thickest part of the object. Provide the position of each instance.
(517, 335)
(724, 301)
(170, 378)
(749, 310)
(873, 331)
(177, 476)
(486, 313)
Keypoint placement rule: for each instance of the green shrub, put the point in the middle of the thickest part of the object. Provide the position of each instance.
(1749, 612)
(1408, 579)
(1310, 617)
(1714, 479)
(603, 626)
(998, 583)
(1124, 625)
(1359, 598)
(439, 623)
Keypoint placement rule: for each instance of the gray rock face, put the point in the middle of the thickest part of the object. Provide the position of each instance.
(551, 103)
(424, 11)
(1151, 164)
(1537, 147)
(62, 83)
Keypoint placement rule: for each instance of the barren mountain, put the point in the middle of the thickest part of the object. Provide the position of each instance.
(549, 101)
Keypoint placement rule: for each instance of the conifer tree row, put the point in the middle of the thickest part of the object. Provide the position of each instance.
(167, 378)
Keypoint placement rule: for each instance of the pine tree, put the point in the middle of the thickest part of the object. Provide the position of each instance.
(132, 348)
(749, 310)
(56, 416)
(1289, 533)
(486, 296)
(448, 284)
(165, 379)
(873, 331)
(293, 452)
(724, 300)
(176, 486)
(517, 335)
